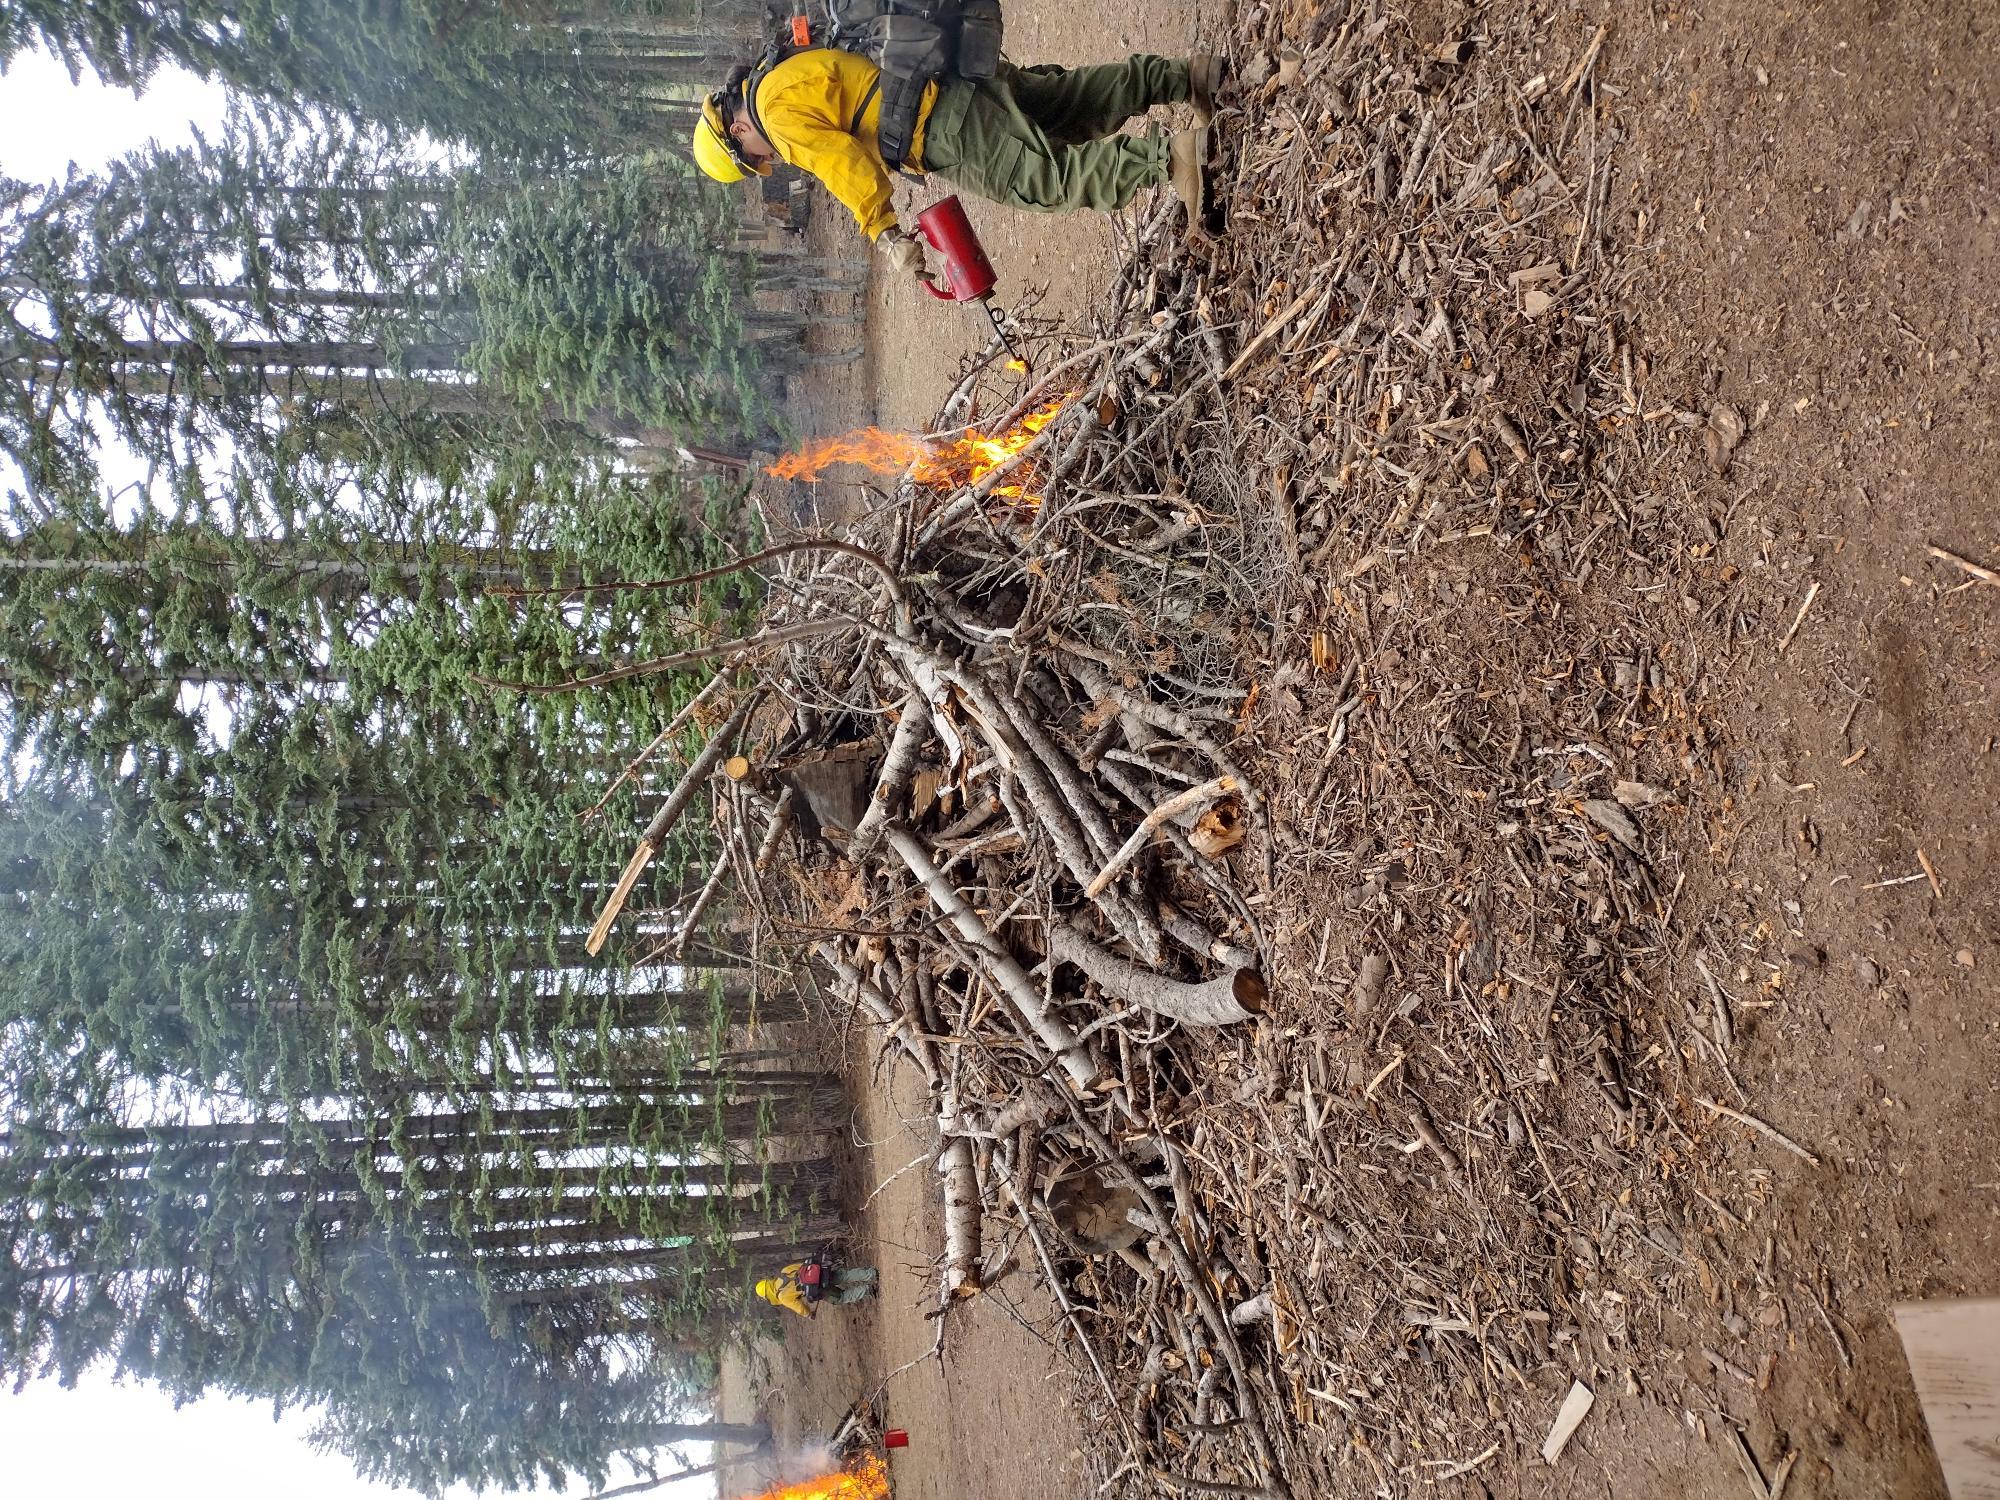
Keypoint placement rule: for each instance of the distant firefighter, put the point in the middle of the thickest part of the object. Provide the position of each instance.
(804, 1284)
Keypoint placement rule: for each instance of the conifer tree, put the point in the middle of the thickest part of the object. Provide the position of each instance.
(311, 1094)
(353, 910)
(331, 296)
(610, 295)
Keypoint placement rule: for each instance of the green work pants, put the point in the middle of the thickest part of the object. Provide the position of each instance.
(851, 1284)
(1043, 138)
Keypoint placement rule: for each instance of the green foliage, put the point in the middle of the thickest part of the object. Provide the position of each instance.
(279, 869)
(607, 295)
(328, 309)
(310, 1090)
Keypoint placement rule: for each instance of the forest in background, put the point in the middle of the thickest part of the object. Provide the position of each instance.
(314, 430)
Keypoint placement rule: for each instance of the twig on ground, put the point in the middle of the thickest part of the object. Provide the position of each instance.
(1966, 564)
(1812, 593)
(1769, 1132)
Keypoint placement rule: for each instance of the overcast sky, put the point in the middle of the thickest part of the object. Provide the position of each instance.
(46, 122)
(103, 1441)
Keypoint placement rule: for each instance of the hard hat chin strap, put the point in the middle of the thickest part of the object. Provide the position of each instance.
(728, 141)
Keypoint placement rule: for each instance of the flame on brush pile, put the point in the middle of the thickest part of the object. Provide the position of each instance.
(941, 462)
(867, 1480)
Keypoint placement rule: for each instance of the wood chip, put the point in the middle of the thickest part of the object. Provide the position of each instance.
(1637, 795)
(1811, 594)
(1931, 874)
(1367, 991)
(1218, 830)
(1576, 1406)
(1723, 435)
(1270, 331)
(1747, 1462)
(1614, 820)
(1583, 63)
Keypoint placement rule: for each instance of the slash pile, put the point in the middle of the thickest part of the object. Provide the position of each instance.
(976, 769)
(1258, 806)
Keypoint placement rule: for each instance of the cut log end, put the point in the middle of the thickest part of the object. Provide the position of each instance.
(1250, 991)
(1223, 1001)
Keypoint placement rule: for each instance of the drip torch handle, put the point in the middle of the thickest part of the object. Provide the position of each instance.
(930, 282)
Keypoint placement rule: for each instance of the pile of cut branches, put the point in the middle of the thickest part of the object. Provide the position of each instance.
(975, 767)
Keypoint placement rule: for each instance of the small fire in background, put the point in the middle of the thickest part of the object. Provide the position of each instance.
(867, 1478)
(943, 462)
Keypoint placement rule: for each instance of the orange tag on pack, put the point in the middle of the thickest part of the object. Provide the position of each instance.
(802, 31)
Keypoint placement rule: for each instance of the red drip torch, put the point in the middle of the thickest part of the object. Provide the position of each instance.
(968, 274)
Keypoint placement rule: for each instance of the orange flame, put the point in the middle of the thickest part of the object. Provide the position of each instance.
(868, 1480)
(870, 447)
(942, 462)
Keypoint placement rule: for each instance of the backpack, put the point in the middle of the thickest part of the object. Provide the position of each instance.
(914, 42)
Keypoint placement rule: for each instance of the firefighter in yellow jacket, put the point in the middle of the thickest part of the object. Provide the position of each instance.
(1041, 138)
(789, 1288)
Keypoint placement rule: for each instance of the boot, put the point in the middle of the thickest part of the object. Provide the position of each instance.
(1206, 71)
(1188, 171)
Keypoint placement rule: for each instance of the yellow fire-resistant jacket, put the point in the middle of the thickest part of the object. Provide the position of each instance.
(790, 1291)
(805, 106)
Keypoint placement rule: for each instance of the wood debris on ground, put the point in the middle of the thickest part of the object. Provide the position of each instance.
(1260, 807)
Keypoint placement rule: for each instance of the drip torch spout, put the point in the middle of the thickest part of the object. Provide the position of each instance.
(999, 321)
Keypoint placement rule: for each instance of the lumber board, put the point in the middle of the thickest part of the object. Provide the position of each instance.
(1953, 1347)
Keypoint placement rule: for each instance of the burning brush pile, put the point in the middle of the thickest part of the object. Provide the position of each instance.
(1243, 778)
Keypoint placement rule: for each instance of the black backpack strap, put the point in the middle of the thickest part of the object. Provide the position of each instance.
(854, 125)
(785, 54)
(895, 128)
(902, 101)
(776, 54)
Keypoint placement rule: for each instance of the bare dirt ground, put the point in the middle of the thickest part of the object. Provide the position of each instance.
(1811, 197)
(1823, 189)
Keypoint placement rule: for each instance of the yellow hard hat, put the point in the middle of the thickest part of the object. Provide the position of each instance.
(715, 149)
(767, 1289)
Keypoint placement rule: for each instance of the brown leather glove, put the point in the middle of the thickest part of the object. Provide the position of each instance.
(905, 253)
